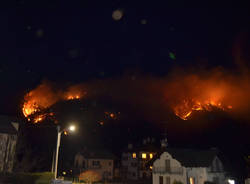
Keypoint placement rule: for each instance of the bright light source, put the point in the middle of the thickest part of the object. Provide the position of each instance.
(230, 181)
(64, 173)
(144, 155)
(134, 155)
(72, 128)
(151, 155)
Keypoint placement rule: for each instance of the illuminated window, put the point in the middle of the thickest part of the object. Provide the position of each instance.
(134, 155)
(151, 167)
(144, 155)
(151, 155)
(191, 180)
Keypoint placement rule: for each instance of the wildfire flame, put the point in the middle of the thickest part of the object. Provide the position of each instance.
(185, 109)
(194, 93)
(37, 101)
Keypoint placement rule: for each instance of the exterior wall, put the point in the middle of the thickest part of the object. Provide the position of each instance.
(144, 172)
(136, 168)
(105, 169)
(247, 181)
(198, 173)
(216, 170)
(130, 166)
(159, 170)
(7, 152)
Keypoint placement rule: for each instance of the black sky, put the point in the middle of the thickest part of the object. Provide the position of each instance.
(77, 41)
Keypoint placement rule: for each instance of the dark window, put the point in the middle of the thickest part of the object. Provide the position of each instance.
(160, 179)
(133, 164)
(83, 164)
(167, 180)
(167, 165)
(110, 163)
(134, 174)
(96, 163)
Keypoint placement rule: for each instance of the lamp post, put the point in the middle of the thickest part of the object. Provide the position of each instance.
(59, 133)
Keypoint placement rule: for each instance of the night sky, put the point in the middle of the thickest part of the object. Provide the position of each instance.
(71, 42)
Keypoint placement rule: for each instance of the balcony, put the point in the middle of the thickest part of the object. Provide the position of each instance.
(164, 170)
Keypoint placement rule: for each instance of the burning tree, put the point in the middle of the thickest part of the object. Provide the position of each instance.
(90, 176)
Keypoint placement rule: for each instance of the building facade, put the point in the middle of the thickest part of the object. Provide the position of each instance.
(135, 161)
(101, 162)
(188, 167)
(8, 140)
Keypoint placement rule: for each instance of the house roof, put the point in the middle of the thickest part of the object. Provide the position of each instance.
(146, 148)
(97, 154)
(6, 125)
(191, 157)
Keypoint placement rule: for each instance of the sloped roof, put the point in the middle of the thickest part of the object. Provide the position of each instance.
(98, 154)
(146, 148)
(190, 157)
(193, 158)
(6, 126)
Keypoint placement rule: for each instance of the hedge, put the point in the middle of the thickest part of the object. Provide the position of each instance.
(26, 178)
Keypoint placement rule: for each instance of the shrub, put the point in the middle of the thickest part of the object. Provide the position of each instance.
(27, 178)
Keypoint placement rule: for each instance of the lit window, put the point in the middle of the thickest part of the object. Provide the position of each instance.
(134, 155)
(151, 155)
(151, 167)
(191, 180)
(144, 155)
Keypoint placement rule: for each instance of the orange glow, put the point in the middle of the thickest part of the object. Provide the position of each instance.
(195, 93)
(39, 118)
(151, 155)
(112, 115)
(144, 155)
(134, 155)
(185, 109)
(43, 97)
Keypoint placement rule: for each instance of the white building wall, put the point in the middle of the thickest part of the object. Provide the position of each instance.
(198, 173)
(212, 175)
(173, 164)
(247, 181)
(218, 172)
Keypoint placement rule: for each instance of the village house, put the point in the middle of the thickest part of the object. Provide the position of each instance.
(8, 140)
(99, 161)
(135, 161)
(188, 167)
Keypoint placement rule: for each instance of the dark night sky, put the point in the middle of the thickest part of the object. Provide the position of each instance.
(76, 41)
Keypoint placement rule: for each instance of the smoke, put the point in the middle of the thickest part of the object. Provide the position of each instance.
(154, 98)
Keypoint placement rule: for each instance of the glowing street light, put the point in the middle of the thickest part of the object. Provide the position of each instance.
(59, 133)
(72, 128)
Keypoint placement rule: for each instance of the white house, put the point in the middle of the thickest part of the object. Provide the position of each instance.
(8, 140)
(188, 167)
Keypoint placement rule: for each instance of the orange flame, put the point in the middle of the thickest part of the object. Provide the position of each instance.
(43, 97)
(185, 109)
(193, 93)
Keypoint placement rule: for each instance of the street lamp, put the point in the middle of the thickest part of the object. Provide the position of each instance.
(59, 133)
